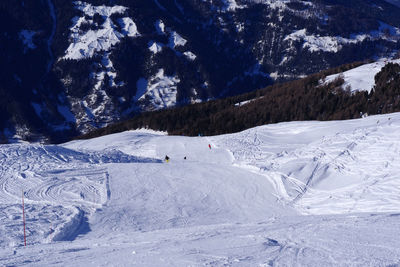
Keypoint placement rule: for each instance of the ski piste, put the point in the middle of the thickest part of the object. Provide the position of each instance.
(113, 201)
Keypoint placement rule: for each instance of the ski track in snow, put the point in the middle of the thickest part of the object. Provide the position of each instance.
(287, 194)
(53, 177)
(323, 169)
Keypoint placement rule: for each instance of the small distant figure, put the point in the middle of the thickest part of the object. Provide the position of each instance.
(166, 158)
(184, 157)
(209, 146)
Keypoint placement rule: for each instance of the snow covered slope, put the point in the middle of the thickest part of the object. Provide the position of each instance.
(361, 78)
(289, 194)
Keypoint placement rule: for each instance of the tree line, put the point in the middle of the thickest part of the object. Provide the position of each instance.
(304, 99)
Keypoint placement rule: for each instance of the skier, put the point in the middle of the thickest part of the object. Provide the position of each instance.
(209, 146)
(184, 157)
(166, 158)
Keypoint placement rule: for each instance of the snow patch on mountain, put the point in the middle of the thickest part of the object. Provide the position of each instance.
(155, 47)
(160, 27)
(86, 44)
(128, 27)
(274, 4)
(315, 43)
(361, 78)
(232, 5)
(161, 90)
(281, 5)
(102, 10)
(176, 40)
(190, 55)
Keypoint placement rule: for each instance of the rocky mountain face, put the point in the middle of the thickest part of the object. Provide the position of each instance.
(68, 67)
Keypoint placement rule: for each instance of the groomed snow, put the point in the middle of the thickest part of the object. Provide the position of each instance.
(287, 194)
(361, 78)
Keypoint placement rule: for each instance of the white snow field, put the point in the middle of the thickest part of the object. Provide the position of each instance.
(361, 78)
(287, 194)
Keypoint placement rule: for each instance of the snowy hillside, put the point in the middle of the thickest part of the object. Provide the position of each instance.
(361, 78)
(288, 194)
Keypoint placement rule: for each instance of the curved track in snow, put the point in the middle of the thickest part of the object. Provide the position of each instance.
(54, 178)
(326, 167)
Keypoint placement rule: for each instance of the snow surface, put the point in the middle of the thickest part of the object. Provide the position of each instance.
(155, 47)
(176, 40)
(128, 27)
(190, 55)
(288, 194)
(361, 78)
(232, 5)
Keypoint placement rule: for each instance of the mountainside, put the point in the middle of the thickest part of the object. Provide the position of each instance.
(70, 67)
(346, 92)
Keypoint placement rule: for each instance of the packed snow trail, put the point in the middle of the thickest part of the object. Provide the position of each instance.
(201, 190)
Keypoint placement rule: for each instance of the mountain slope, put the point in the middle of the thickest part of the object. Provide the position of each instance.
(71, 67)
(347, 92)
